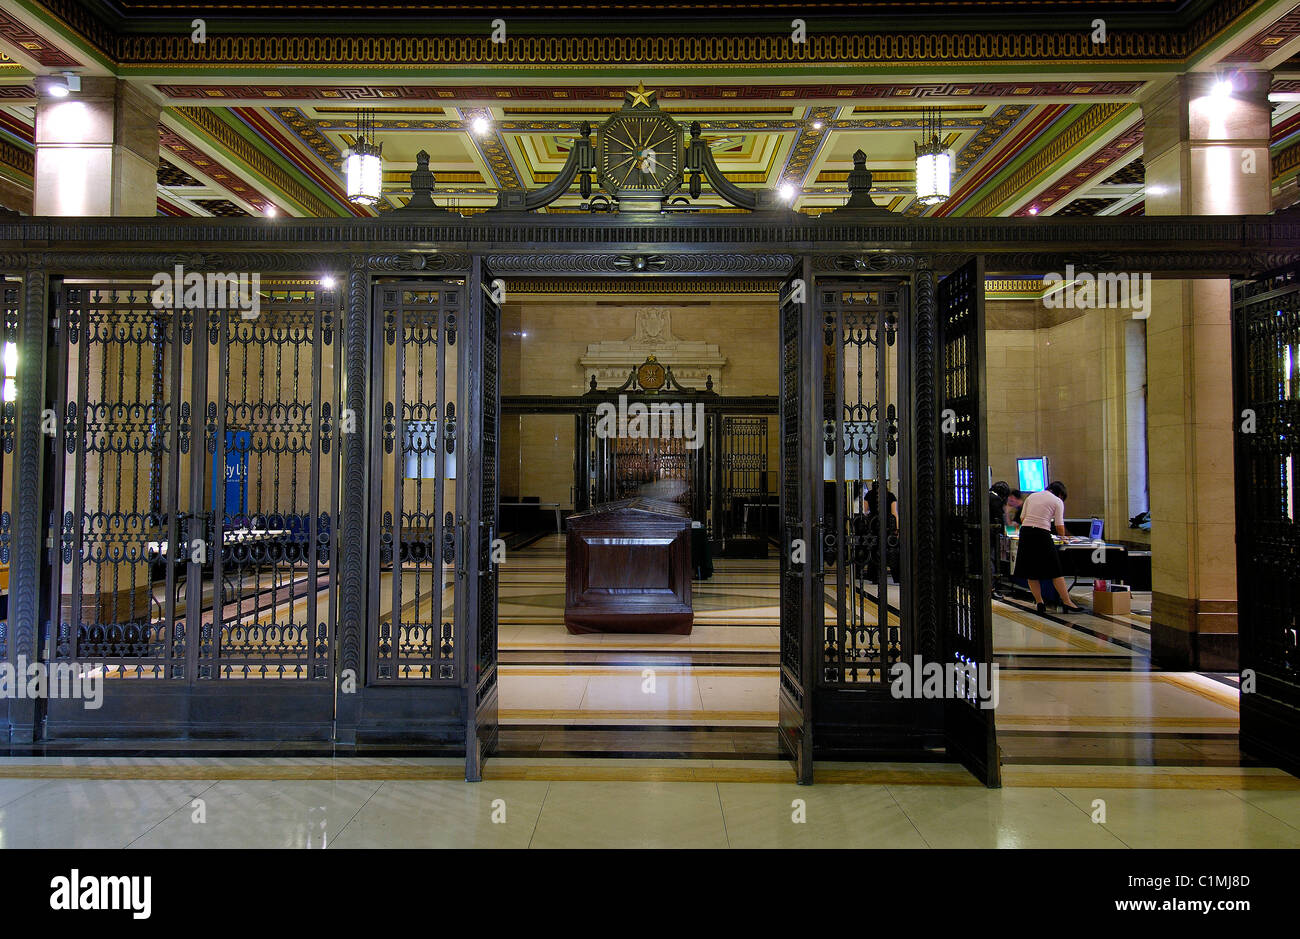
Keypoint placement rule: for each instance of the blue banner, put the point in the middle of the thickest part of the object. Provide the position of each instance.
(234, 475)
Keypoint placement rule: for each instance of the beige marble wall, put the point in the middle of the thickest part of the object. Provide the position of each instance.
(1056, 385)
(551, 333)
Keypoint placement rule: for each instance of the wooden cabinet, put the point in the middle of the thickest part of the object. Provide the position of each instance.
(628, 569)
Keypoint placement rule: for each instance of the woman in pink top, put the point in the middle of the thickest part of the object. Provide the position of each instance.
(1036, 559)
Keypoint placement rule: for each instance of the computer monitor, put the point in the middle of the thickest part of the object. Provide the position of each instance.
(1094, 531)
(1032, 472)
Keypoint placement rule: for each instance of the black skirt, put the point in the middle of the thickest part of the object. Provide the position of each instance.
(1036, 558)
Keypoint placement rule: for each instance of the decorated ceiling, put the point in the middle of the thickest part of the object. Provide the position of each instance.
(1040, 116)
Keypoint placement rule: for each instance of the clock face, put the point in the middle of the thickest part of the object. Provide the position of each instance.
(640, 153)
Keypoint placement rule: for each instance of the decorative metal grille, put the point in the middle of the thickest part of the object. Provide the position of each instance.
(1266, 316)
(413, 576)
(197, 545)
(117, 600)
(271, 422)
(860, 323)
(745, 500)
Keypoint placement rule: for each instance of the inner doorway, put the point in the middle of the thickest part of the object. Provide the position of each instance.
(709, 694)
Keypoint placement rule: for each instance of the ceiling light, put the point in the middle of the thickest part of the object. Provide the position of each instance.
(817, 125)
(1033, 210)
(271, 211)
(365, 165)
(481, 126)
(1221, 88)
(61, 86)
(787, 192)
(328, 282)
(933, 162)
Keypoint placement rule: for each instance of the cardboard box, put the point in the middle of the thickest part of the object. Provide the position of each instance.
(1111, 602)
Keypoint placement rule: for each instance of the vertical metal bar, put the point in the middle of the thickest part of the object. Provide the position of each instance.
(370, 450)
(79, 476)
(882, 471)
(313, 484)
(58, 390)
(399, 468)
(906, 469)
(845, 589)
(336, 395)
(174, 356)
(439, 314)
(26, 571)
(198, 457)
(356, 503)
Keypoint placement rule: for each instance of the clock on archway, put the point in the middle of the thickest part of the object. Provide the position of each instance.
(639, 153)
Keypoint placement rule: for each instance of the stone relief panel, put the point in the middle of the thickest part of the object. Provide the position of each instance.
(692, 361)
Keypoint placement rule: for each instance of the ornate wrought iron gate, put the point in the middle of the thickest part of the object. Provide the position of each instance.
(965, 614)
(1266, 361)
(860, 326)
(193, 478)
(801, 509)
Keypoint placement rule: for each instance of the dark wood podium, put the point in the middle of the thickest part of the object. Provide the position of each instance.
(628, 569)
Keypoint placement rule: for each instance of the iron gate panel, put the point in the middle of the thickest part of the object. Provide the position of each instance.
(1266, 346)
(860, 329)
(124, 426)
(801, 510)
(414, 451)
(155, 579)
(966, 613)
(275, 417)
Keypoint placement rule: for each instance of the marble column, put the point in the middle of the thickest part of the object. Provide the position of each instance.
(96, 149)
(1206, 153)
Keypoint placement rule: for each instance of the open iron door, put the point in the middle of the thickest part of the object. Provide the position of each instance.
(1265, 356)
(476, 503)
(965, 601)
(802, 604)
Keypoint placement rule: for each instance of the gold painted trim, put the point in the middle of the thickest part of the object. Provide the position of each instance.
(1050, 157)
(206, 120)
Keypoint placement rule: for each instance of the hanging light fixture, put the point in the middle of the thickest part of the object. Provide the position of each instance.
(933, 162)
(365, 167)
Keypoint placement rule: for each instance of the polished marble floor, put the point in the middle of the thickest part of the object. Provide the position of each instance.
(1074, 688)
(660, 803)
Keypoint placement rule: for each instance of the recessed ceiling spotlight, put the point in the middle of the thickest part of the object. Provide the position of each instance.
(67, 82)
(817, 125)
(1033, 210)
(328, 282)
(787, 192)
(481, 126)
(1222, 88)
(272, 211)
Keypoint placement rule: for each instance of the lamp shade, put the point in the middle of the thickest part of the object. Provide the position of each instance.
(933, 174)
(365, 174)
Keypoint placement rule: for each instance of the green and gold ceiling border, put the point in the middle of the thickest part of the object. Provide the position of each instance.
(1031, 165)
(207, 122)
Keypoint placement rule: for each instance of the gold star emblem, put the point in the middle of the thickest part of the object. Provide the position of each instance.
(640, 97)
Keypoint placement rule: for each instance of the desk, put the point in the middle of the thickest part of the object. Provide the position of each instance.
(628, 569)
(559, 522)
(1077, 559)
